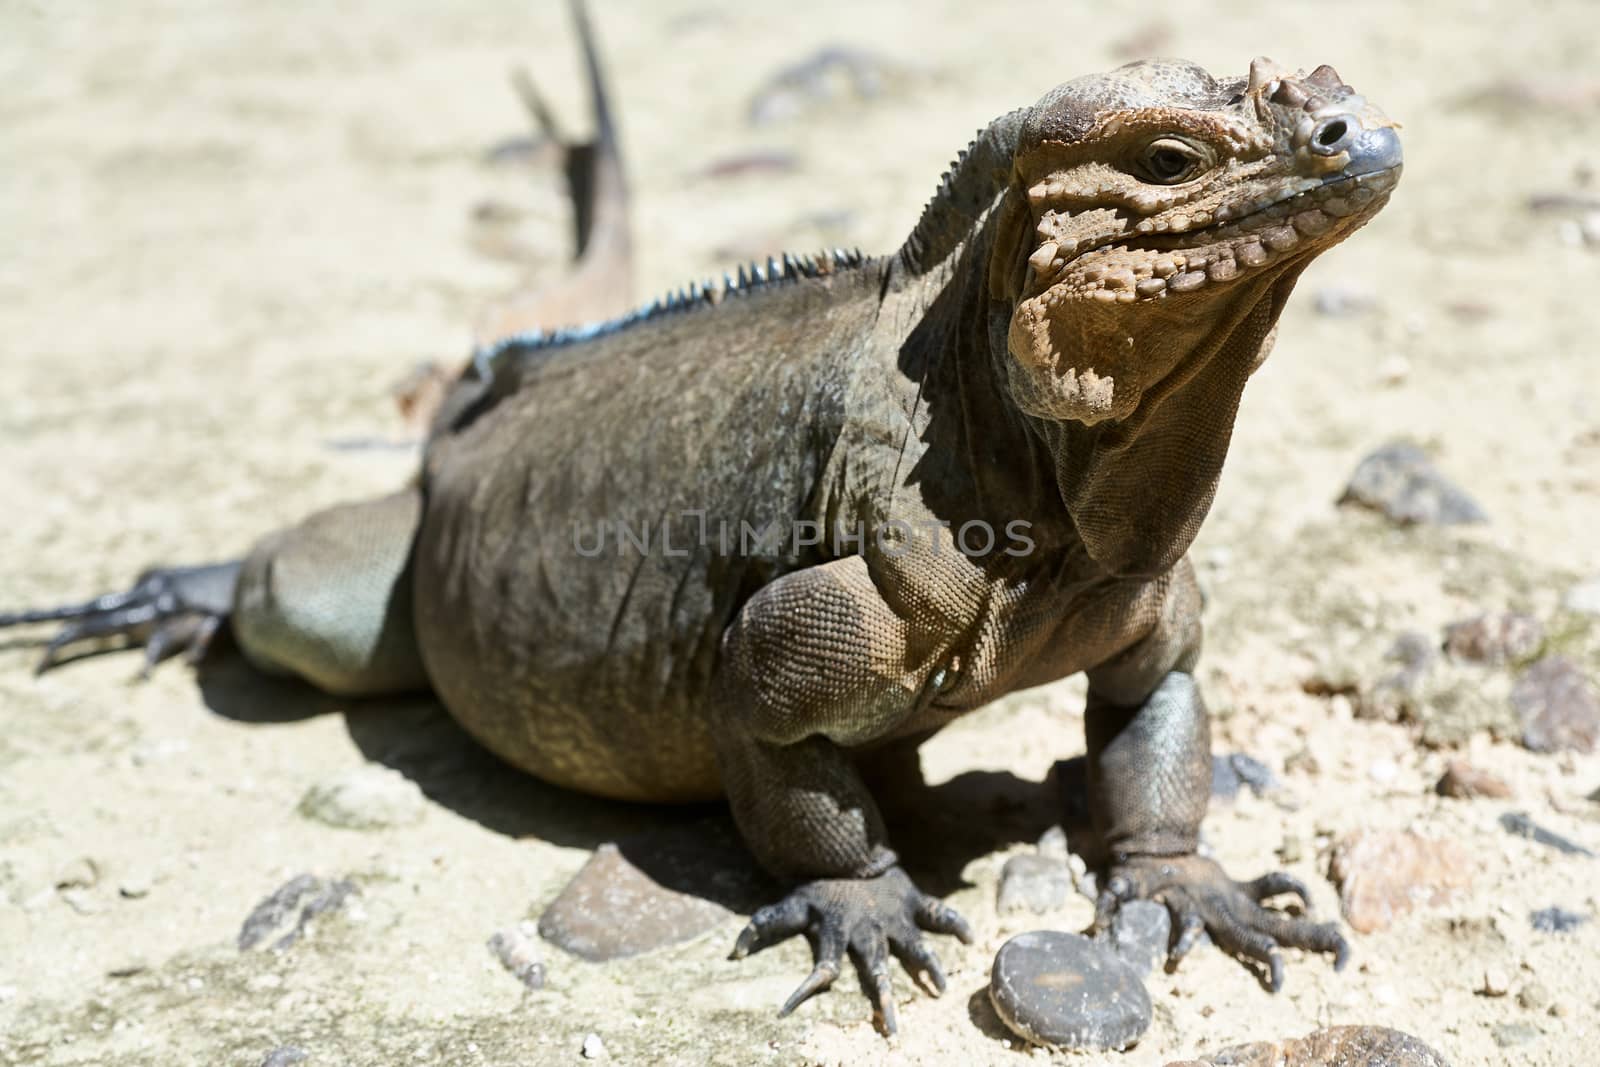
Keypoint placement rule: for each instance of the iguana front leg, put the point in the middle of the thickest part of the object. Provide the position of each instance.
(1149, 742)
(815, 662)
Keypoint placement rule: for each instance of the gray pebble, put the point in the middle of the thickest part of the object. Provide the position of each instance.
(1556, 920)
(370, 797)
(1237, 769)
(1400, 481)
(306, 894)
(1521, 825)
(1034, 883)
(284, 1056)
(1557, 707)
(1065, 991)
(1140, 934)
(517, 953)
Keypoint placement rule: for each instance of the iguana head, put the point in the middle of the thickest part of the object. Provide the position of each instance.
(1155, 208)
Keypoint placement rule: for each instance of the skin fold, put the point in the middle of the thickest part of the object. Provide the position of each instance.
(1062, 343)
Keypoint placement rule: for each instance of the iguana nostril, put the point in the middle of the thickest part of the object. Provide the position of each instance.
(1330, 136)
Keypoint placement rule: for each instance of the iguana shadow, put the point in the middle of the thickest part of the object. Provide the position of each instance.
(938, 829)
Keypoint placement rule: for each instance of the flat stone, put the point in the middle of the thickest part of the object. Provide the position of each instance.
(1140, 934)
(1494, 639)
(1401, 482)
(1557, 707)
(1556, 920)
(1464, 781)
(1064, 991)
(658, 889)
(369, 797)
(285, 1056)
(1337, 1046)
(1384, 874)
(1034, 883)
(1520, 824)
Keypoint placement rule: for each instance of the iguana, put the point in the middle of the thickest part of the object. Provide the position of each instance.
(984, 457)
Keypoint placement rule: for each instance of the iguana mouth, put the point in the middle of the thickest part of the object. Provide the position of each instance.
(1182, 262)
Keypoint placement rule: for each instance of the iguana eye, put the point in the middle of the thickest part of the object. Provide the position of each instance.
(1168, 161)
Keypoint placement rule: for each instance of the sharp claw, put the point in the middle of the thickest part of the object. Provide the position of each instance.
(1190, 928)
(886, 1010)
(1274, 971)
(821, 977)
(746, 940)
(1341, 949)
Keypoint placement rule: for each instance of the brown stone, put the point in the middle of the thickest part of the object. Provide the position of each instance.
(1337, 1046)
(1494, 639)
(1464, 781)
(1384, 874)
(654, 890)
(1557, 706)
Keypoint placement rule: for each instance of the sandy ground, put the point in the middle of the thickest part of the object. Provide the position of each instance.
(229, 228)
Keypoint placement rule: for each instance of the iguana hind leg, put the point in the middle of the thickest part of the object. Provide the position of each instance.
(171, 609)
(1149, 744)
(328, 600)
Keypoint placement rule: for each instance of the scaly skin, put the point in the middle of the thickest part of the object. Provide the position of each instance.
(1063, 341)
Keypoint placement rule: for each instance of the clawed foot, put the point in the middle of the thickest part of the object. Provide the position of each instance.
(1203, 899)
(871, 917)
(172, 610)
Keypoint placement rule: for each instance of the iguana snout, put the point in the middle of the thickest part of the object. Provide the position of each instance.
(1154, 206)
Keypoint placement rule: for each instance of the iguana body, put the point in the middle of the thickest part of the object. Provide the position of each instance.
(1062, 342)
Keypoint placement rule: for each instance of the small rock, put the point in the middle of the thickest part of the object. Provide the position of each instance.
(1400, 481)
(1510, 1035)
(593, 1047)
(1494, 639)
(1367, 1046)
(370, 797)
(1064, 991)
(284, 1056)
(1584, 598)
(1384, 874)
(1053, 843)
(1533, 997)
(517, 953)
(1230, 772)
(1520, 824)
(81, 873)
(1495, 983)
(652, 890)
(1464, 781)
(1383, 771)
(269, 916)
(136, 884)
(1140, 934)
(1035, 883)
(1556, 920)
(1557, 707)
